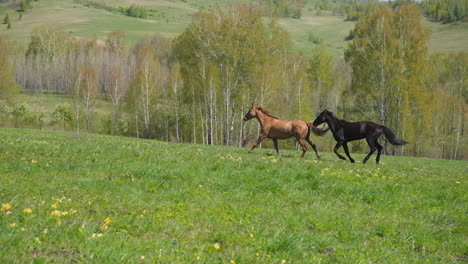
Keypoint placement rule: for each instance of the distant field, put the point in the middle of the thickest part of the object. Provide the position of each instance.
(448, 37)
(82, 21)
(86, 198)
(332, 30)
(171, 17)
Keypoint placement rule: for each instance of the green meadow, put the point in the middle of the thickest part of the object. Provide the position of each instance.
(171, 17)
(90, 198)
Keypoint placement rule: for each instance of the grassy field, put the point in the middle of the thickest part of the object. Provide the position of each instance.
(171, 17)
(88, 198)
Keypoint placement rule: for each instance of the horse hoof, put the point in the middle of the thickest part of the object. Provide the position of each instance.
(352, 161)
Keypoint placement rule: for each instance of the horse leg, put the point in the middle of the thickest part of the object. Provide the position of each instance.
(275, 141)
(379, 150)
(370, 142)
(338, 145)
(345, 146)
(259, 140)
(303, 145)
(313, 146)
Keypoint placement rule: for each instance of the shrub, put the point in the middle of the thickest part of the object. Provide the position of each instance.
(137, 11)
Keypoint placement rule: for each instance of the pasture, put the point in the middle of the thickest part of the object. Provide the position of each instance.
(90, 198)
(170, 18)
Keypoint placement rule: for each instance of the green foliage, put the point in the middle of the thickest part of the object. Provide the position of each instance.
(6, 20)
(115, 42)
(137, 11)
(25, 4)
(389, 59)
(314, 39)
(282, 8)
(243, 50)
(353, 9)
(20, 112)
(321, 76)
(47, 42)
(132, 11)
(104, 199)
(145, 87)
(354, 15)
(5, 109)
(445, 10)
(62, 114)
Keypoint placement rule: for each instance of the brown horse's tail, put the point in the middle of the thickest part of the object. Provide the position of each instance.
(317, 131)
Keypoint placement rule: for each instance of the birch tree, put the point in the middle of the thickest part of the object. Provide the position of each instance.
(8, 86)
(88, 91)
(388, 57)
(144, 87)
(117, 83)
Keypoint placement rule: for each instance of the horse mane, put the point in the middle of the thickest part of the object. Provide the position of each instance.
(339, 120)
(261, 108)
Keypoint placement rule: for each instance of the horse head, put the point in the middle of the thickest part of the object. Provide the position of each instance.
(251, 113)
(322, 118)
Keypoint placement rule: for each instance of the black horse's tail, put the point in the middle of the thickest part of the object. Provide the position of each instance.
(317, 131)
(392, 138)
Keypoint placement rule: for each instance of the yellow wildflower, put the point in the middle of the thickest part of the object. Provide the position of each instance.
(94, 236)
(46, 231)
(56, 213)
(6, 207)
(142, 257)
(13, 224)
(27, 211)
(105, 227)
(54, 206)
(8, 212)
(217, 246)
(107, 220)
(33, 161)
(232, 262)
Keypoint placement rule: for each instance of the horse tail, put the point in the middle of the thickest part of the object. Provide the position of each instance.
(317, 131)
(392, 138)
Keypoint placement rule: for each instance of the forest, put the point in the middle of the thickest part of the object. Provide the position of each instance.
(196, 87)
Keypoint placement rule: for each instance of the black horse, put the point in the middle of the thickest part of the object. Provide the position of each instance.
(344, 131)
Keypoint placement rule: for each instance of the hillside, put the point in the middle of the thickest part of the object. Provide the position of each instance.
(170, 18)
(89, 198)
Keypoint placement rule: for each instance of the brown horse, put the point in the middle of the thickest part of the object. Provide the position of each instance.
(275, 128)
